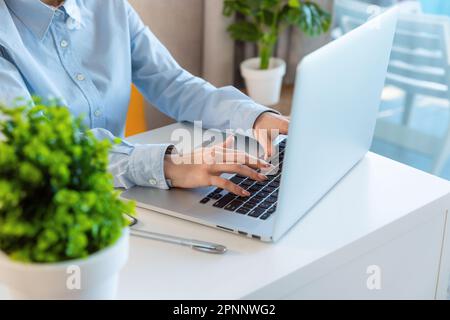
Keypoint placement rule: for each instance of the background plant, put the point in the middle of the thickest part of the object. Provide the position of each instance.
(265, 19)
(57, 200)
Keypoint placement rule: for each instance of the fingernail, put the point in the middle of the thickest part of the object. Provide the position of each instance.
(261, 176)
(245, 193)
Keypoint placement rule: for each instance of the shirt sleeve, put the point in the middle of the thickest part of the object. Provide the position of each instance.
(135, 164)
(12, 85)
(129, 164)
(178, 93)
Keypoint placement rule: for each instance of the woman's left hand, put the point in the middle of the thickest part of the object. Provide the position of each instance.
(267, 127)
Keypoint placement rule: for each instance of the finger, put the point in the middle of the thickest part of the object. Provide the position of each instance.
(239, 157)
(229, 186)
(240, 169)
(228, 144)
(283, 124)
(279, 122)
(266, 142)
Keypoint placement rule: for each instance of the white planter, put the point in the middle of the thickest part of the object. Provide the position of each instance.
(98, 275)
(264, 86)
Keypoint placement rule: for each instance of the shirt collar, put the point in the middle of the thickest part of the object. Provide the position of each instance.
(73, 10)
(38, 16)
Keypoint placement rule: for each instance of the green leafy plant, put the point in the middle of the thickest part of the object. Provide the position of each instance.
(57, 200)
(265, 19)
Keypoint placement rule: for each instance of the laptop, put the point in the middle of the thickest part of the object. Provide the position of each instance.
(336, 99)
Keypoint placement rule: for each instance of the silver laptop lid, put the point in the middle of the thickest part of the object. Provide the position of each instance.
(336, 100)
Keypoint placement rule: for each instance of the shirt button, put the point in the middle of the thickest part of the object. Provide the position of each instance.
(97, 113)
(80, 77)
(153, 182)
(64, 44)
(72, 24)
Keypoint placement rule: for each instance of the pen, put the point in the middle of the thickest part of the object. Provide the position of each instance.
(202, 246)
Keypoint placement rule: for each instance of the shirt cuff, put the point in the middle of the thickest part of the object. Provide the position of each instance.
(146, 166)
(245, 117)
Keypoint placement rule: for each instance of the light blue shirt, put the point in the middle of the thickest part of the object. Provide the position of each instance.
(87, 53)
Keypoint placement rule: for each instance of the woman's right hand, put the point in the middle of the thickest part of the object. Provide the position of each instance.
(203, 167)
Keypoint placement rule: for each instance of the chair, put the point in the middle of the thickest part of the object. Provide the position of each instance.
(420, 59)
(350, 14)
(420, 65)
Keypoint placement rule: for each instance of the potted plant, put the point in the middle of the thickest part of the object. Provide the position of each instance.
(63, 234)
(263, 21)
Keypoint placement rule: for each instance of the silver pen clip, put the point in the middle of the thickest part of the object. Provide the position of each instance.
(208, 247)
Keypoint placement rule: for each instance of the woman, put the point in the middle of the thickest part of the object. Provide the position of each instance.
(88, 52)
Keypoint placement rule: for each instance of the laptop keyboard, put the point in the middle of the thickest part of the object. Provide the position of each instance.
(262, 202)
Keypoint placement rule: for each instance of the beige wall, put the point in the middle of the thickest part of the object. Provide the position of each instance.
(179, 26)
(218, 47)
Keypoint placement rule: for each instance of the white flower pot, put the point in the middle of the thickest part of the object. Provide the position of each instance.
(93, 278)
(264, 86)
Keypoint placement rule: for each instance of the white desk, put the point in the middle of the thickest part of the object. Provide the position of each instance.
(383, 213)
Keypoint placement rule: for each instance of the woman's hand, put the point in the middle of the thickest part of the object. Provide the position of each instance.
(267, 127)
(204, 166)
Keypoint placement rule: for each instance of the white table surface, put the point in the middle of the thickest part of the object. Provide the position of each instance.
(375, 196)
(376, 201)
